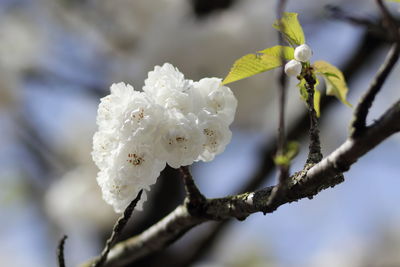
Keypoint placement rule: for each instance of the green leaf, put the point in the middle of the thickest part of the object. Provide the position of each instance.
(291, 29)
(253, 64)
(331, 75)
(303, 90)
(397, 1)
(304, 94)
(291, 151)
(317, 100)
(334, 79)
(274, 53)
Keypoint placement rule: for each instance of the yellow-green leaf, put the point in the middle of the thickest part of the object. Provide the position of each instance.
(274, 53)
(303, 90)
(291, 151)
(253, 64)
(317, 100)
(334, 79)
(317, 94)
(397, 1)
(291, 29)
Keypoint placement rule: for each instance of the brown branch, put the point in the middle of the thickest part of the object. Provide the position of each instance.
(283, 174)
(118, 227)
(306, 183)
(314, 152)
(362, 109)
(60, 251)
(194, 198)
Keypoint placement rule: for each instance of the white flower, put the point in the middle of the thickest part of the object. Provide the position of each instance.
(218, 98)
(217, 135)
(141, 117)
(303, 53)
(181, 139)
(136, 162)
(134, 167)
(169, 88)
(293, 68)
(103, 145)
(112, 106)
(119, 193)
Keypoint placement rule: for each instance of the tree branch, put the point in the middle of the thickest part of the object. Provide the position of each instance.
(283, 175)
(362, 109)
(60, 251)
(314, 151)
(305, 183)
(363, 53)
(118, 227)
(194, 198)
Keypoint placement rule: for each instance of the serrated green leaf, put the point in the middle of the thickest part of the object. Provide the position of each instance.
(291, 151)
(291, 29)
(335, 81)
(253, 64)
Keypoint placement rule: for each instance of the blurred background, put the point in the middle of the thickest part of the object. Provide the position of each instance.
(59, 57)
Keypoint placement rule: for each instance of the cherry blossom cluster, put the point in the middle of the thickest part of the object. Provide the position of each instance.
(302, 53)
(174, 120)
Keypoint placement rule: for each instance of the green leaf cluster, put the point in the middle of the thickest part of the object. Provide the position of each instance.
(271, 58)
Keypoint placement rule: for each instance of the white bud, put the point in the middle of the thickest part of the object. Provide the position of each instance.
(303, 53)
(293, 68)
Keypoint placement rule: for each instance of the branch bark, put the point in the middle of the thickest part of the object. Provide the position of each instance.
(362, 109)
(305, 183)
(117, 229)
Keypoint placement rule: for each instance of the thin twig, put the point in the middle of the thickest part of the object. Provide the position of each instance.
(283, 174)
(339, 14)
(118, 227)
(194, 198)
(362, 109)
(60, 251)
(389, 21)
(373, 25)
(284, 170)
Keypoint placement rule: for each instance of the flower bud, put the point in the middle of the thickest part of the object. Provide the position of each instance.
(293, 68)
(303, 53)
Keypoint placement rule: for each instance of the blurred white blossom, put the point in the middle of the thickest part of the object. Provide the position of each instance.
(78, 186)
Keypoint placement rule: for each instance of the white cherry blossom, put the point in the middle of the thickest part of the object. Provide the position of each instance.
(218, 98)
